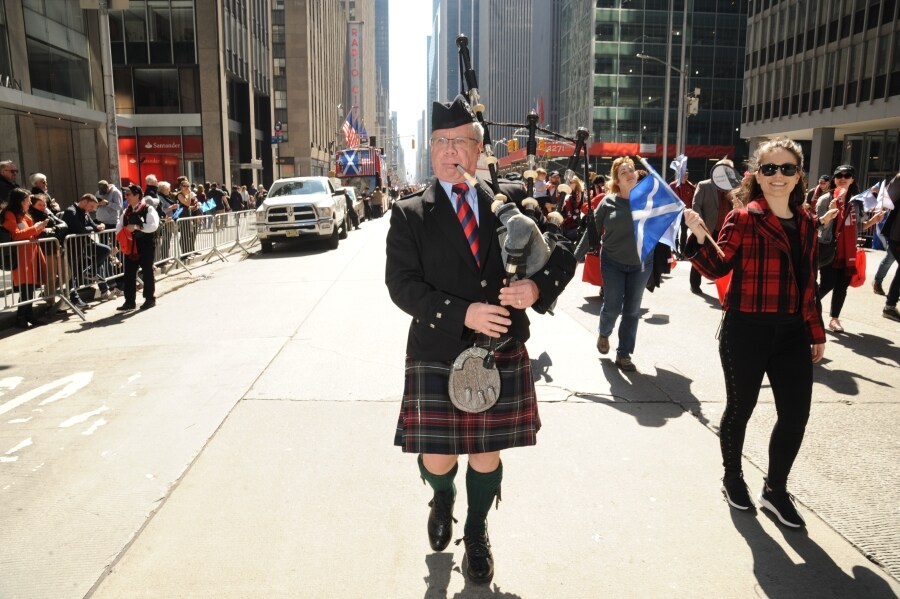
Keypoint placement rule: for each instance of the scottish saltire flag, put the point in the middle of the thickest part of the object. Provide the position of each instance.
(349, 162)
(679, 165)
(867, 198)
(656, 211)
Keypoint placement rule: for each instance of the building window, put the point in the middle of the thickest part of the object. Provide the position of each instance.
(156, 91)
(58, 73)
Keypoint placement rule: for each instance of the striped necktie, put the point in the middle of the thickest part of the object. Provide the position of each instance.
(467, 219)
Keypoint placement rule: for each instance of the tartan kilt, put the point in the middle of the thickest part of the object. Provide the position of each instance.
(430, 423)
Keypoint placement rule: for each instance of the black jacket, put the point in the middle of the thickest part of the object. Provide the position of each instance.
(431, 275)
(79, 221)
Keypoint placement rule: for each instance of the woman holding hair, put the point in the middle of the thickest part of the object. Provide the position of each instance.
(624, 276)
(30, 262)
(772, 323)
(840, 222)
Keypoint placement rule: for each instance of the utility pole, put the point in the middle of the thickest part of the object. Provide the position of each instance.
(109, 97)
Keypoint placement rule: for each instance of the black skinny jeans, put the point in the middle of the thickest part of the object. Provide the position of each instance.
(751, 346)
(837, 281)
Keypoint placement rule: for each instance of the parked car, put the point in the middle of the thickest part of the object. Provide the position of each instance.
(302, 208)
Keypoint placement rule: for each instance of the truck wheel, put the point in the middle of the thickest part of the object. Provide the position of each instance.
(334, 240)
(345, 227)
(265, 247)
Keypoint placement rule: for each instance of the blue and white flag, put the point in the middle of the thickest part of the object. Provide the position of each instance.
(679, 165)
(349, 162)
(656, 211)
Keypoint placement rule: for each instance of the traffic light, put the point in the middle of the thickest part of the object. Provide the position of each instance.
(512, 145)
(542, 145)
(413, 143)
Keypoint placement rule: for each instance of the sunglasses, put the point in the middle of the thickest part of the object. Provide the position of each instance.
(842, 176)
(769, 170)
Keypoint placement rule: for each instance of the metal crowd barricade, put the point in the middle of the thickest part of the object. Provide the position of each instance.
(89, 262)
(76, 263)
(37, 266)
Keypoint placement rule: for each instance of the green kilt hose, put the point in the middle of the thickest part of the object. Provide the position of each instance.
(430, 423)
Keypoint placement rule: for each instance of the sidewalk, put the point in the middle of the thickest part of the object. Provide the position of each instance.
(299, 495)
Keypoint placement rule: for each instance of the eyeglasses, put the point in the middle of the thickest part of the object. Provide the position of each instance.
(842, 176)
(12, 170)
(457, 142)
(769, 170)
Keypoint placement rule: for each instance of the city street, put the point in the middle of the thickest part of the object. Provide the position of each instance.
(236, 441)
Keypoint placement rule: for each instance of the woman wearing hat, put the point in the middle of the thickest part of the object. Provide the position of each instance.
(840, 222)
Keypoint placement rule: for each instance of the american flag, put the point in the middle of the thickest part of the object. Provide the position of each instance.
(351, 137)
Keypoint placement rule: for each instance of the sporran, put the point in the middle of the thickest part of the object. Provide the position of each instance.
(474, 388)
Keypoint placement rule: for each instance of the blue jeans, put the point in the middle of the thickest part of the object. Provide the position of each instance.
(623, 288)
(884, 266)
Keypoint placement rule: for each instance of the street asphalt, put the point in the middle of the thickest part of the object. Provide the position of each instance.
(254, 458)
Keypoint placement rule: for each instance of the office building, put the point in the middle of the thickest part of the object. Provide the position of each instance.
(827, 74)
(308, 46)
(52, 109)
(603, 81)
(192, 90)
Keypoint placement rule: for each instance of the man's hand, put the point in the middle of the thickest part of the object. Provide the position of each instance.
(489, 319)
(100, 226)
(520, 294)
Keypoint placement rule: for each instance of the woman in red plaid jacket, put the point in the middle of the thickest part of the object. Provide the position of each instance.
(772, 323)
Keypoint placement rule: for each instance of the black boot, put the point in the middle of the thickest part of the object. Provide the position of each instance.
(440, 518)
(480, 561)
(481, 489)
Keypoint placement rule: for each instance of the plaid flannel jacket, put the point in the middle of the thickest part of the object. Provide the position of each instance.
(757, 251)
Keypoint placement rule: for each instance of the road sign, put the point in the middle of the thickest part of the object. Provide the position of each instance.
(277, 139)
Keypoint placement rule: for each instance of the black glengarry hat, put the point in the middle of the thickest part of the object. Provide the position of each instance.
(452, 114)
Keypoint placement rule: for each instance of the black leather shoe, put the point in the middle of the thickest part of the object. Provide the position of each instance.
(440, 521)
(148, 304)
(126, 306)
(480, 566)
(22, 323)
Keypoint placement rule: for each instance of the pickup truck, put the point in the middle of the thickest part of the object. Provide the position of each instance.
(299, 208)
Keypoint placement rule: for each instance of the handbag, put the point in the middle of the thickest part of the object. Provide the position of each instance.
(859, 277)
(826, 253)
(591, 272)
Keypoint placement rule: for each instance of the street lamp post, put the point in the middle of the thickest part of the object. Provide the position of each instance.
(679, 135)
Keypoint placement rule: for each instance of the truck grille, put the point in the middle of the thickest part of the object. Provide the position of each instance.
(290, 214)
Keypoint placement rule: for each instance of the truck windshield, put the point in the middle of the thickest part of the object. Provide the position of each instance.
(298, 188)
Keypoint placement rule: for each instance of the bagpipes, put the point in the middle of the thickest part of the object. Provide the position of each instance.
(529, 205)
(526, 251)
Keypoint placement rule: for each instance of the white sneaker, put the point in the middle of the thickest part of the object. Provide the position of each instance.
(105, 295)
(118, 292)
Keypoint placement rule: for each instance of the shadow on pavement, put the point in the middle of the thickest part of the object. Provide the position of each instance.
(881, 350)
(816, 576)
(106, 321)
(843, 382)
(540, 368)
(672, 389)
(440, 569)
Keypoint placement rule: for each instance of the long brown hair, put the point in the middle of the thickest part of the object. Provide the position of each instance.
(750, 189)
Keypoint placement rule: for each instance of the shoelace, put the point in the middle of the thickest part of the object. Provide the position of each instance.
(478, 546)
(442, 510)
